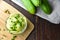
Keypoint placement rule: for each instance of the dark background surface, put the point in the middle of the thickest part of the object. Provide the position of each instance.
(43, 30)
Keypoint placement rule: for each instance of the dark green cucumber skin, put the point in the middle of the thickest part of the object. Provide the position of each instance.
(44, 1)
(46, 7)
(35, 2)
(29, 6)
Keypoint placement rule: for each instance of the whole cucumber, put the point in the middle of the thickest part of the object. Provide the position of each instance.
(29, 6)
(46, 8)
(36, 2)
(45, 1)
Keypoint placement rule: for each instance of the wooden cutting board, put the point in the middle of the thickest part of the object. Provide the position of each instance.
(4, 34)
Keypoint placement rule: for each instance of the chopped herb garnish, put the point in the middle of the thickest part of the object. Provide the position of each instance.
(13, 28)
(20, 23)
(2, 38)
(0, 29)
(22, 19)
(13, 37)
(11, 21)
(4, 35)
(3, 29)
(17, 16)
(7, 11)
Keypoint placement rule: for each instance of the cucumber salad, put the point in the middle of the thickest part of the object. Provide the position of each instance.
(16, 23)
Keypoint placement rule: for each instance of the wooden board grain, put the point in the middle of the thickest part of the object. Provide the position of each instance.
(3, 17)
